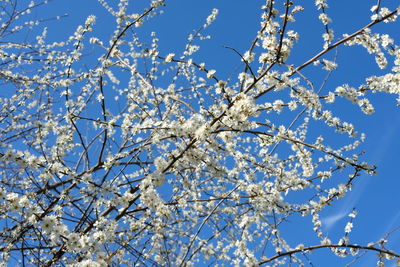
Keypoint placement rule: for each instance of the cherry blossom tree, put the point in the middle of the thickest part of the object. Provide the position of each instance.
(113, 153)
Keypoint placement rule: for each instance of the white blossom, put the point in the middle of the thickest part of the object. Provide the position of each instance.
(115, 152)
(210, 73)
(169, 57)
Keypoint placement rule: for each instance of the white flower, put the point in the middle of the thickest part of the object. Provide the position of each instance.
(160, 163)
(157, 178)
(326, 241)
(169, 57)
(90, 20)
(13, 200)
(48, 223)
(321, 4)
(249, 57)
(353, 214)
(329, 65)
(211, 73)
(324, 18)
(374, 8)
(292, 105)
(293, 35)
(330, 98)
(263, 57)
(88, 263)
(74, 242)
(212, 16)
(348, 227)
(278, 105)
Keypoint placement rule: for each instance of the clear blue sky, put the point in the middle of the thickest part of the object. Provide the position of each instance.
(376, 198)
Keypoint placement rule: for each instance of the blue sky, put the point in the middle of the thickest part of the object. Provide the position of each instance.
(376, 198)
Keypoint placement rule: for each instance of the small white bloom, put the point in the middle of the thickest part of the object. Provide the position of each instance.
(325, 241)
(169, 57)
(292, 105)
(324, 18)
(48, 223)
(90, 20)
(348, 227)
(330, 98)
(210, 74)
(249, 57)
(329, 65)
(212, 16)
(353, 214)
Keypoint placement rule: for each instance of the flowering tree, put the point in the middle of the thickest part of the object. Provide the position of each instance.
(114, 153)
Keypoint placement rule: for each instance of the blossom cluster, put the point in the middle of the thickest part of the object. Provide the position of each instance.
(116, 151)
